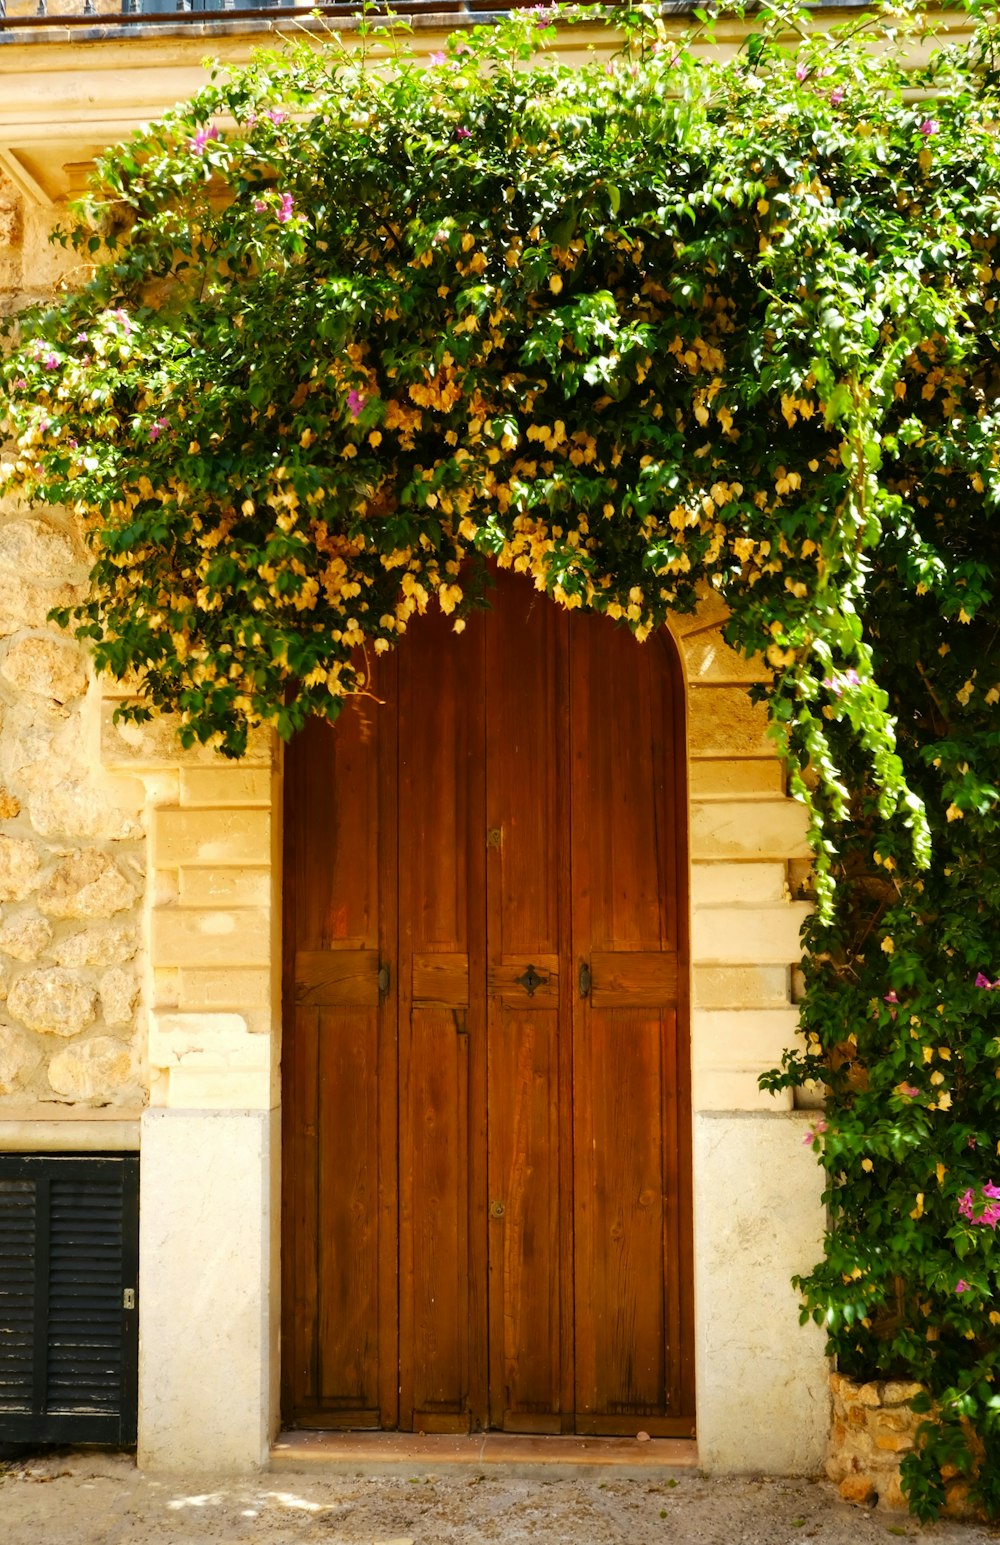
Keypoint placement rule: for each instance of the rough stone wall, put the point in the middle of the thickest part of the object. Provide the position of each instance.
(873, 1429)
(71, 838)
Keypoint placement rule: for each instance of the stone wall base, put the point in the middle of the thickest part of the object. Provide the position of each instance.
(874, 1427)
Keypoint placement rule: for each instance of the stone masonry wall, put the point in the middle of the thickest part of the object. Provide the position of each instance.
(71, 838)
(873, 1429)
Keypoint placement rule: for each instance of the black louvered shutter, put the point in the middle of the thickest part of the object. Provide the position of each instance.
(68, 1299)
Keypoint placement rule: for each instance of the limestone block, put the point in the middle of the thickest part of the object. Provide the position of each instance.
(761, 935)
(96, 947)
(92, 1070)
(211, 837)
(49, 667)
(857, 1488)
(25, 604)
(25, 935)
(11, 228)
(53, 1000)
(225, 887)
(709, 659)
(188, 936)
(740, 987)
(34, 549)
(742, 1038)
(735, 1089)
(225, 786)
(119, 992)
(736, 778)
(207, 1255)
(126, 747)
(749, 829)
(712, 884)
(763, 1396)
(19, 1056)
(86, 884)
(897, 1392)
(73, 805)
(208, 1041)
(224, 988)
(722, 721)
(711, 613)
(19, 866)
(10, 805)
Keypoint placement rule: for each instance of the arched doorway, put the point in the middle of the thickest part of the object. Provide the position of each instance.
(486, 1092)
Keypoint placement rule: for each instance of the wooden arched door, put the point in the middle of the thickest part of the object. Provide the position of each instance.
(486, 1106)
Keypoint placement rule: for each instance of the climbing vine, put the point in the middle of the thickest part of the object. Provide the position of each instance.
(356, 324)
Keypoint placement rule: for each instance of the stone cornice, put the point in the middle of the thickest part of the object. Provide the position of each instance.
(67, 93)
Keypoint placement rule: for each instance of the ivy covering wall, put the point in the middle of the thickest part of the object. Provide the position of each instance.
(658, 323)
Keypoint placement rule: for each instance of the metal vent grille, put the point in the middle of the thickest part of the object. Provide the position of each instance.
(68, 1322)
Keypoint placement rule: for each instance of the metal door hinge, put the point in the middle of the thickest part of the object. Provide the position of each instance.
(584, 979)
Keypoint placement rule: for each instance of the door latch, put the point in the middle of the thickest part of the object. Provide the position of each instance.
(584, 979)
(383, 981)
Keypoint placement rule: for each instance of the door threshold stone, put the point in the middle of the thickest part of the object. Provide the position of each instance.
(502, 1454)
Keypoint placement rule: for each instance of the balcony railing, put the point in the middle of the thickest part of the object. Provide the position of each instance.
(27, 16)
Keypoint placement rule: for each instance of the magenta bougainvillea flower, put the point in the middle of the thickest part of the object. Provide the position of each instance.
(285, 208)
(201, 139)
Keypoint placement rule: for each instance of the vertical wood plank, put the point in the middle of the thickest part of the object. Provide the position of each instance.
(440, 777)
(632, 1240)
(528, 1106)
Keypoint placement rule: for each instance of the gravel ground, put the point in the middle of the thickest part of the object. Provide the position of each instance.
(81, 1498)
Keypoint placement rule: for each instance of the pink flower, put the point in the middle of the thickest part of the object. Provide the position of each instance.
(801, 72)
(50, 361)
(285, 212)
(989, 1189)
(929, 126)
(908, 1091)
(74, 445)
(157, 428)
(202, 137)
(276, 115)
(892, 1000)
(840, 681)
(260, 204)
(985, 983)
(438, 60)
(817, 1130)
(961, 1286)
(837, 96)
(355, 403)
(462, 132)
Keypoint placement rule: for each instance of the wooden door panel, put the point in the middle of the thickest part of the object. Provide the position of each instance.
(621, 1348)
(348, 1216)
(339, 1181)
(526, 1265)
(442, 1239)
(529, 1133)
(632, 979)
(343, 978)
(632, 1288)
(434, 1224)
(441, 980)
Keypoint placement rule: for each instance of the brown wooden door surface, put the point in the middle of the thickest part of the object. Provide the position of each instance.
(486, 1110)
